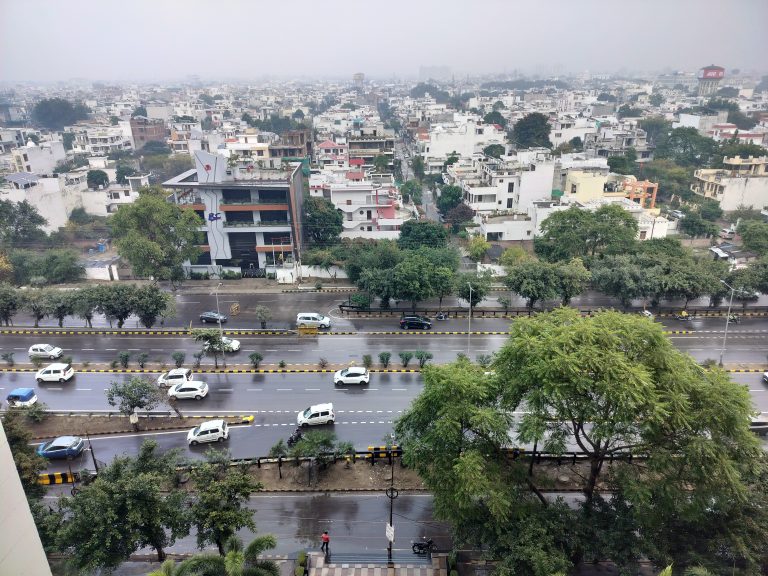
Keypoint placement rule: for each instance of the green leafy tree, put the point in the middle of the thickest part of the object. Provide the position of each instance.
(35, 303)
(85, 303)
(149, 304)
(417, 165)
(381, 164)
(412, 189)
(734, 148)
(477, 248)
(322, 221)
(532, 131)
(628, 111)
(378, 282)
(622, 277)
(495, 117)
(67, 139)
(116, 302)
(212, 342)
(20, 223)
(534, 280)
(417, 233)
(655, 126)
(220, 509)
(139, 111)
(412, 279)
(686, 147)
(709, 209)
(573, 278)
(459, 215)
(262, 314)
(495, 150)
(10, 302)
(450, 197)
(624, 164)
(754, 235)
(133, 503)
(443, 283)
(694, 225)
(55, 113)
(156, 236)
(656, 99)
(134, 394)
(480, 283)
(60, 304)
(236, 561)
(28, 464)
(122, 172)
(512, 256)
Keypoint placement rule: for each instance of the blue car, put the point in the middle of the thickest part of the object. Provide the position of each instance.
(62, 447)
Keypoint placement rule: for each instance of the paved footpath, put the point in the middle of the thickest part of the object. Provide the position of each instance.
(350, 565)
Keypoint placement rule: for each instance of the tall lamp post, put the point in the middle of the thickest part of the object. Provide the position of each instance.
(727, 322)
(469, 322)
(221, 329)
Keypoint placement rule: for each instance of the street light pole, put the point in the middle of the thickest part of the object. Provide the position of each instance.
(727, 322)
(469, 321)
(221, 329)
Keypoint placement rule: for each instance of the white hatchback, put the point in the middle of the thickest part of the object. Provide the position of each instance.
(191, 389)
(211, 431)
(45, 351)
(352, 375)
(175, 376)
(312, 320)
(317, 414)
(55, 373)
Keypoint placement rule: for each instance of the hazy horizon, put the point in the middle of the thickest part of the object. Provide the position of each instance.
(151, 40)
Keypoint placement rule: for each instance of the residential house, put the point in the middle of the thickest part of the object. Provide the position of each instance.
(40, 158)
(743, 182)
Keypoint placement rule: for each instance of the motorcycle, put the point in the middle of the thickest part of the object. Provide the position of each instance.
(683, 317)
(734, 318)
(295, 437)
(441, 316)
(426, 547)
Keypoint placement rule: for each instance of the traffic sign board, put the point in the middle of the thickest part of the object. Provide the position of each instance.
(390, 531)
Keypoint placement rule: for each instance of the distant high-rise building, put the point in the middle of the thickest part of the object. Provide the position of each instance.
(709, 79)
(358, 79)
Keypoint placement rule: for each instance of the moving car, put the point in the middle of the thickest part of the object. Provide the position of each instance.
(211, 431)
(352, 375)
(312, 320)
(212, 316)
(175, 376)
(21, 398)
(229, 345)
(415, 322)
(765, 377)
(55, 373)
(191, 389)
(62, 447)
(45, 351)
(317, 414)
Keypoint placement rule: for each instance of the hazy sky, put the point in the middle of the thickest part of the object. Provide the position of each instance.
(169, 39)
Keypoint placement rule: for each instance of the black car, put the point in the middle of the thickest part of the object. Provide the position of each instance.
(212, 317)
(415, 322)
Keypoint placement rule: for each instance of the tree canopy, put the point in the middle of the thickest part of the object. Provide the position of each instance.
(322, 221)
(450, 197)
(55, 113)
(96, 179)
(20, 223)
(417, 233)
(532, 131)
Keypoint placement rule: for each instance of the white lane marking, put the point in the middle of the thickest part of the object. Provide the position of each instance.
(757, 390)
(53, 388)
(341, 389)
(255, 389)
(88, 349)
(224, 390)
(293, 350)
(399, 389)
(19, 348)
(284, 389)
(373, 389)
(189, 302)
(111, 349)
(270, 350)
(311, 389)
(133, 349)
(84, 389)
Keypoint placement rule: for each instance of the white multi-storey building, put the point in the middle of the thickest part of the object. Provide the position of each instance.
(39, 159)
(743, 182)
(465, 136)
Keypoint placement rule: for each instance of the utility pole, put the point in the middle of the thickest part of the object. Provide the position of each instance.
(469, 323)
(727, 322)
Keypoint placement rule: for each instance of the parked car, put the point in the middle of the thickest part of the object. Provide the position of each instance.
(352, 375)
(55, 373)
(212, 316)
(21, 398)
(415, 322)
(211, 431)
(229, 345)
(175, 376)
(312, 320)
(62, 447)
(45, 351)
(765, 377)
(648, 314)
(317, 414)
(191, 389)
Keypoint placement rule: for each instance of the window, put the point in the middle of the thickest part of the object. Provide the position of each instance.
(573, 188)
(510, 203)
(510, 187)
(126, 193)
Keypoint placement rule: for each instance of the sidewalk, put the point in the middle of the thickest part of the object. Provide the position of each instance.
(318, 567)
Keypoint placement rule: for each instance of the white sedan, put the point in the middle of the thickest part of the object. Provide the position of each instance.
(352, 375)
(191, 389)
(45, 351)
(229, 345)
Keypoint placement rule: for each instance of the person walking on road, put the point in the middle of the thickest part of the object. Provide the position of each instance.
(326, 541)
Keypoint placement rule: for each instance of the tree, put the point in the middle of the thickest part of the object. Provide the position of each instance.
(116, 302)
(622, 277)
(85, 303)
(6, 268)
(573, 278)
(20, 222)
(443, 283)
(262, 314)
(495, 150)
(67, 138)
(477, 248)
(686, 147)
(512, 256)
(411, 189)
(133, 503)
(495, 117)
(709, 209)
(412, 279)
(450, 197)
(381, 164)
(743, 213)
(55, 113)
(733, 148)
(156, 236)
(655, 127)
(139, 111)
(576, 143)
(150, 303)
(656, 99)
(212, 342)
(459, 215)
(10, 302)
(322, 221)
(534, 280)
(236, 561)
(624, 164)
(694, 225)
(532, 131)
(28, 464)
(628, 111)
(220, 509)
(417, 164)
(59, 304)
(298, 115)
(97, 178)
(153, 147)
(134, 394)
(480, 283)
(122, 172)
(417, 233)
(754, 235)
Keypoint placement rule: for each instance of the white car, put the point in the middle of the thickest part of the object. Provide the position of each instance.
(352, 375)
(312, 320)
(45, 351)
(317, 414)
(55, 373)
(229, 345)
(765, 377)
(211, 431)
(191, 389)
(175, 376)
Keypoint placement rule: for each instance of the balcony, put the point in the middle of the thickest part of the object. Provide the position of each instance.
(229, 202)
(252, 206)
(269, 224)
